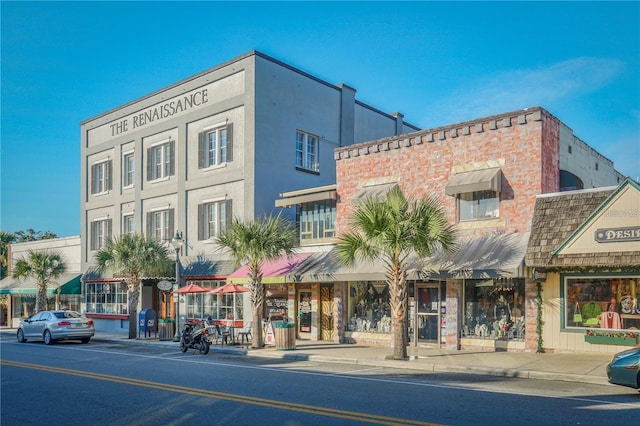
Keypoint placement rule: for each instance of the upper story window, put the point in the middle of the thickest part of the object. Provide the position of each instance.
(128, 170)
(161, 161)
(213, 218)
(160, 224)
(307, 147)
(214, 147)
(100, 233)
(101, 177)
(478, 205)
(317, 220)
(128, 224)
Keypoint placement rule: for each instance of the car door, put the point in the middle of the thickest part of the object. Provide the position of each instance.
(31, 325)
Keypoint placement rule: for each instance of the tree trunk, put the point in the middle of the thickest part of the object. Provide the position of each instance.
(398, 299)
(41, 300)
(133, 296)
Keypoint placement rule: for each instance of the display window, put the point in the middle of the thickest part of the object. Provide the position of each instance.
(369, 308)
(602, 302)
(494, 308)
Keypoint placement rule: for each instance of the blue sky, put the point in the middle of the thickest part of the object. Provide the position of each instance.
(437, 63)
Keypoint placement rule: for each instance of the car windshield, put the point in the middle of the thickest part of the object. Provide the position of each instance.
(67, 314)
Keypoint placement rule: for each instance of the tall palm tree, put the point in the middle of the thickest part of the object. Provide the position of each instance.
(253, 243)
(390, 230)
(44, 266)
(133, 256)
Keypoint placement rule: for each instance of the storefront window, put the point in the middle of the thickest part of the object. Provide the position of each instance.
(106, 297)
(369, 308)
(494, 309)
(601, 302)
(216, 306)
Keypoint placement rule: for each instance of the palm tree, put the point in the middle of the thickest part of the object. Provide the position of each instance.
(390, 230)
(253, 243)
(133, 256)
(44, 266)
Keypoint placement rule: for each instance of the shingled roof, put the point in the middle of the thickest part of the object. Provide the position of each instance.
(556, 217)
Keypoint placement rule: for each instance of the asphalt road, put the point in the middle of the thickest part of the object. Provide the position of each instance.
(74, 384)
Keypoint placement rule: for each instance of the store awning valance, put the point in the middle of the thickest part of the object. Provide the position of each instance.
(68, 283)
(274, 272)
(478, 180)
(310, 195)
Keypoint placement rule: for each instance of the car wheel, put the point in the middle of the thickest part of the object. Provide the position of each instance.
(85, 339)
(48, 340)
(20, 336)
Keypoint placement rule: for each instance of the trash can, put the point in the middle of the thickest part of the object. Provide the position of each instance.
(285, 336)
(166, 328)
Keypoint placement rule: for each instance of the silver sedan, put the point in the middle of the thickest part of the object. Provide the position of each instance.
(50, 326)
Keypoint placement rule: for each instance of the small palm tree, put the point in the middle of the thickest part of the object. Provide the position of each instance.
(133, 256)
(390, 230)
(44, 266)
(253, 243)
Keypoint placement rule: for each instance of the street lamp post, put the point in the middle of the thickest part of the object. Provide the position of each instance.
(177, 242)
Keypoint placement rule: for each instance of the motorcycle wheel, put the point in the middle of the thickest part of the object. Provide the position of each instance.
(183, 346)
(204, 347)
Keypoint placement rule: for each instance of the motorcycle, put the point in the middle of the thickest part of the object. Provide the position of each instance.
(194, 337)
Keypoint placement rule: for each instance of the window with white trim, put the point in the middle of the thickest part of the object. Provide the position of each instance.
(213, 218)
(317, 220)
(101, 177)
(100, 233)
(214, 147)
(161, 161)
(478, 205)
(307, 147)
(160, 224)
(106, 298)
(128, 170)
(128, 224)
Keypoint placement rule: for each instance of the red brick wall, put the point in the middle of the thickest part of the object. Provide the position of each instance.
(524, 144)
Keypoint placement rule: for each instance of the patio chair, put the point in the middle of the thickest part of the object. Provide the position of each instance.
(245, 334)
(218, 335)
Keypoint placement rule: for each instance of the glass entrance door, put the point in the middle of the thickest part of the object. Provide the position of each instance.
(427, 325)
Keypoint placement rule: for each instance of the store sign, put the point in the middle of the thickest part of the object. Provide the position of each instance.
(617, 235)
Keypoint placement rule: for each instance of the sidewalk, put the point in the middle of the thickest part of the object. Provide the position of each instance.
(583, 367)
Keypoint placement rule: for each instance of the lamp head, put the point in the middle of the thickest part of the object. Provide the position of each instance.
(177, 242)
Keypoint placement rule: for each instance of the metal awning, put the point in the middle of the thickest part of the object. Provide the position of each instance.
(478, 180)
(377, 192)
(307, 196)
(67, 283)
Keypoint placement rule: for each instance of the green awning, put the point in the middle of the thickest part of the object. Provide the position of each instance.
(68, 283)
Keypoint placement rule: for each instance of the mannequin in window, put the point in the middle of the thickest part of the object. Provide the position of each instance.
(501, 309)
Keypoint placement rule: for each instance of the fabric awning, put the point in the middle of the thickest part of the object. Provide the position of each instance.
(377, 192)
(307, 196)
(274, 272)
(478, 180)
(487, 256)
(68, 283)
(325, 267)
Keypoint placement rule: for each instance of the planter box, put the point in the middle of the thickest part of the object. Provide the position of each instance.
(607, 340)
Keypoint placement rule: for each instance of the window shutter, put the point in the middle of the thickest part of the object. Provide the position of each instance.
(107, 176)
(149, 225)
(171, 221)
(109, 223)
(172, 154)
(93, 236)
(201, 142)
(149, 167)
(229, 142)
(201, 220)
(229, 217)
(93, 180)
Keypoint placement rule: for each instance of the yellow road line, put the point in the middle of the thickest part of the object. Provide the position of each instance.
(289, 406)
